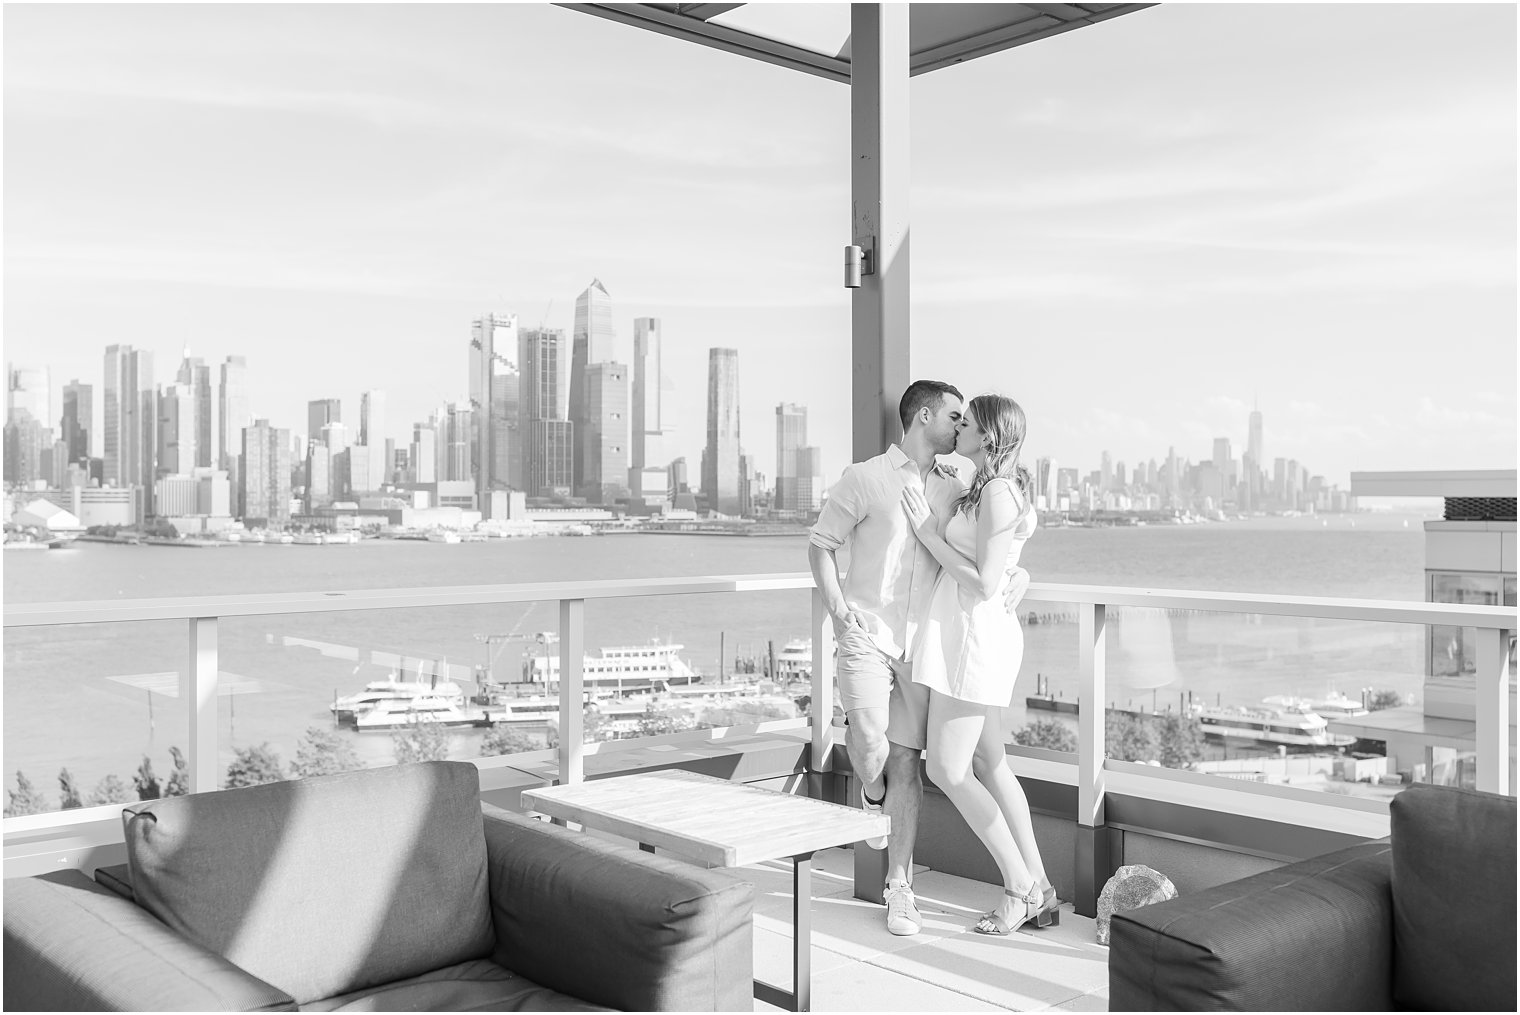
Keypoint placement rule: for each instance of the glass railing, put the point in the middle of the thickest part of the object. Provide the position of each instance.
(209, 691)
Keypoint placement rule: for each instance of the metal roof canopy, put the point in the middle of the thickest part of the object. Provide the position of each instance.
(940, 35)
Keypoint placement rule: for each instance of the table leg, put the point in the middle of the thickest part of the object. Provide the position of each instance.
(800, 997)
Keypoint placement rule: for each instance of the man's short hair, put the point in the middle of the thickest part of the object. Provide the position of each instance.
(922, 393)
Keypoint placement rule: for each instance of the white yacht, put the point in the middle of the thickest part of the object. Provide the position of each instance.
(1334, 705)
(795, 660)
(394, 690)
(424, 708)
(1292, 725)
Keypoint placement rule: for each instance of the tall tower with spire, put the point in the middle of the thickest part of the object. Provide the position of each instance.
(599, 399)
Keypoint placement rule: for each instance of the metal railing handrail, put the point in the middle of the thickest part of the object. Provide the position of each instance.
(108, 611)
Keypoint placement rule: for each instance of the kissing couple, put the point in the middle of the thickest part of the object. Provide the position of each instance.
(928, 644)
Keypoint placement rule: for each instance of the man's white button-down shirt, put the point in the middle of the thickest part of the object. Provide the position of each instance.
(891, 575)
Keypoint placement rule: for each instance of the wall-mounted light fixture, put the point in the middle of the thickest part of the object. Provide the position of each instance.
(857, 262)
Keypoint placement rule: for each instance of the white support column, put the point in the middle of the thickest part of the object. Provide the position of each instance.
(197, 689)
(572, 720)
(1492, 710)
(879, 179)
(1091, 695)
(822, 758)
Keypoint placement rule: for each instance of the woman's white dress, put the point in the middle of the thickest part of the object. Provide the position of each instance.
(970, 648)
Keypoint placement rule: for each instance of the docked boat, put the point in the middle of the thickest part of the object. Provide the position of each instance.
(443, 536)
(437, 709)
(393, 690)
(1042, 698)
(1334, 705)
(1290, 725)
(623, 669)
(795, 660)
(537, 710)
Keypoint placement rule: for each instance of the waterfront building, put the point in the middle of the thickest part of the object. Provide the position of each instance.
(104, 505)
(422, 457)
(319, 475)
(496, 444)
(194, 503)
(548, 463)
(76, 426)
(266, 475)
(371, 446)
(131, 422)
(594, 341)
(455, 430)
(720, 461)
(1469, 558)
(604, 437)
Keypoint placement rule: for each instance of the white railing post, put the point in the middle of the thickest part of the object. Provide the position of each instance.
(1094, 862)
(572, 720)
(197, 689)
(1491, 709)
(822, 757)
(1091, 695)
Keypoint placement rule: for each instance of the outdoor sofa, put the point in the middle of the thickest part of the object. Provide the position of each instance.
(378, 890)
(1423, 920)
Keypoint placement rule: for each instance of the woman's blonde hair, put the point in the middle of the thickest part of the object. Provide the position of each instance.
(1001, 421)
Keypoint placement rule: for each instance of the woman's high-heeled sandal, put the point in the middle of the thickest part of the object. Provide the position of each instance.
(992, 923)
(1050, 910)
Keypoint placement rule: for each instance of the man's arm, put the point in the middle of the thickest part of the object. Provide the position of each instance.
(825, 568)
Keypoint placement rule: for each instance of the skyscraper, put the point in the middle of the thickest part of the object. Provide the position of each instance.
(195, 377)
(1253, 441)
(266, 475)
(232, 411)
(77, 423)
(28, 424)
(321, 412)
(1106, 472)
(604, 437)
(372, 439)
(720, 463)
(791, 439)
(594, 342)
(651, 417)
(177, 451)
(543, 399)
(131, 422)
(496, 443)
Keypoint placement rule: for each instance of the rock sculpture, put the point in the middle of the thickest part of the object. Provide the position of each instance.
(1132, 886)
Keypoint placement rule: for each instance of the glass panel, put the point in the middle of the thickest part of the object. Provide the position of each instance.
(100, 702)
(1044, 708)
(1454, 650)
(1282, 700)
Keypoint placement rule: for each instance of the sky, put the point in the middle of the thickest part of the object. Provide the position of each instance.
(1139, 230)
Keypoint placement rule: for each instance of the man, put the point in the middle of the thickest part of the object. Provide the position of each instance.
(890, 579)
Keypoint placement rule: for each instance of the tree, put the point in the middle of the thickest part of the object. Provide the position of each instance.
(179, 779)
(1385, 698)
(109, 790)
(254, 766)
(654, 723)
(324, 752)
(503, 739)
(423, 741)
(147, 784)
(69, 791)
(1046, 733)
(1179, 740)
(25, 799)
(1129, 738)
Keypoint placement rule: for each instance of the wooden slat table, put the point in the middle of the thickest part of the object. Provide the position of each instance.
(720, 824)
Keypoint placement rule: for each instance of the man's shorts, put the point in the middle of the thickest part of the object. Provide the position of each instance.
(869, 678)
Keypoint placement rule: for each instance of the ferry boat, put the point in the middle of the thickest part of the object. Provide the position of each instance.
(424, 708)
(538, 710)
(1290, 725)
(393, 690)
(622, 669)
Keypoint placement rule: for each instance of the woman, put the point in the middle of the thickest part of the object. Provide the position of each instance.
(968, 653)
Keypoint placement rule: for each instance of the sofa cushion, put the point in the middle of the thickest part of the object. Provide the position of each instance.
(71, 945)
(477, 985)
(326, 885)
(1453, 899)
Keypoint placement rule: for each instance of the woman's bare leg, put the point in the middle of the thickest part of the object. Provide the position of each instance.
(990, 766)
(955, 729)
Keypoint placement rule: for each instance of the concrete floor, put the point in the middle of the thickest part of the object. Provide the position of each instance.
(858, 966)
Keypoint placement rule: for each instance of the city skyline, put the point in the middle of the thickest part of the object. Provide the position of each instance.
(1334, 238)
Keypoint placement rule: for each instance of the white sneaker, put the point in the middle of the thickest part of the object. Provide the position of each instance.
(876, 841)
(902, 910)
